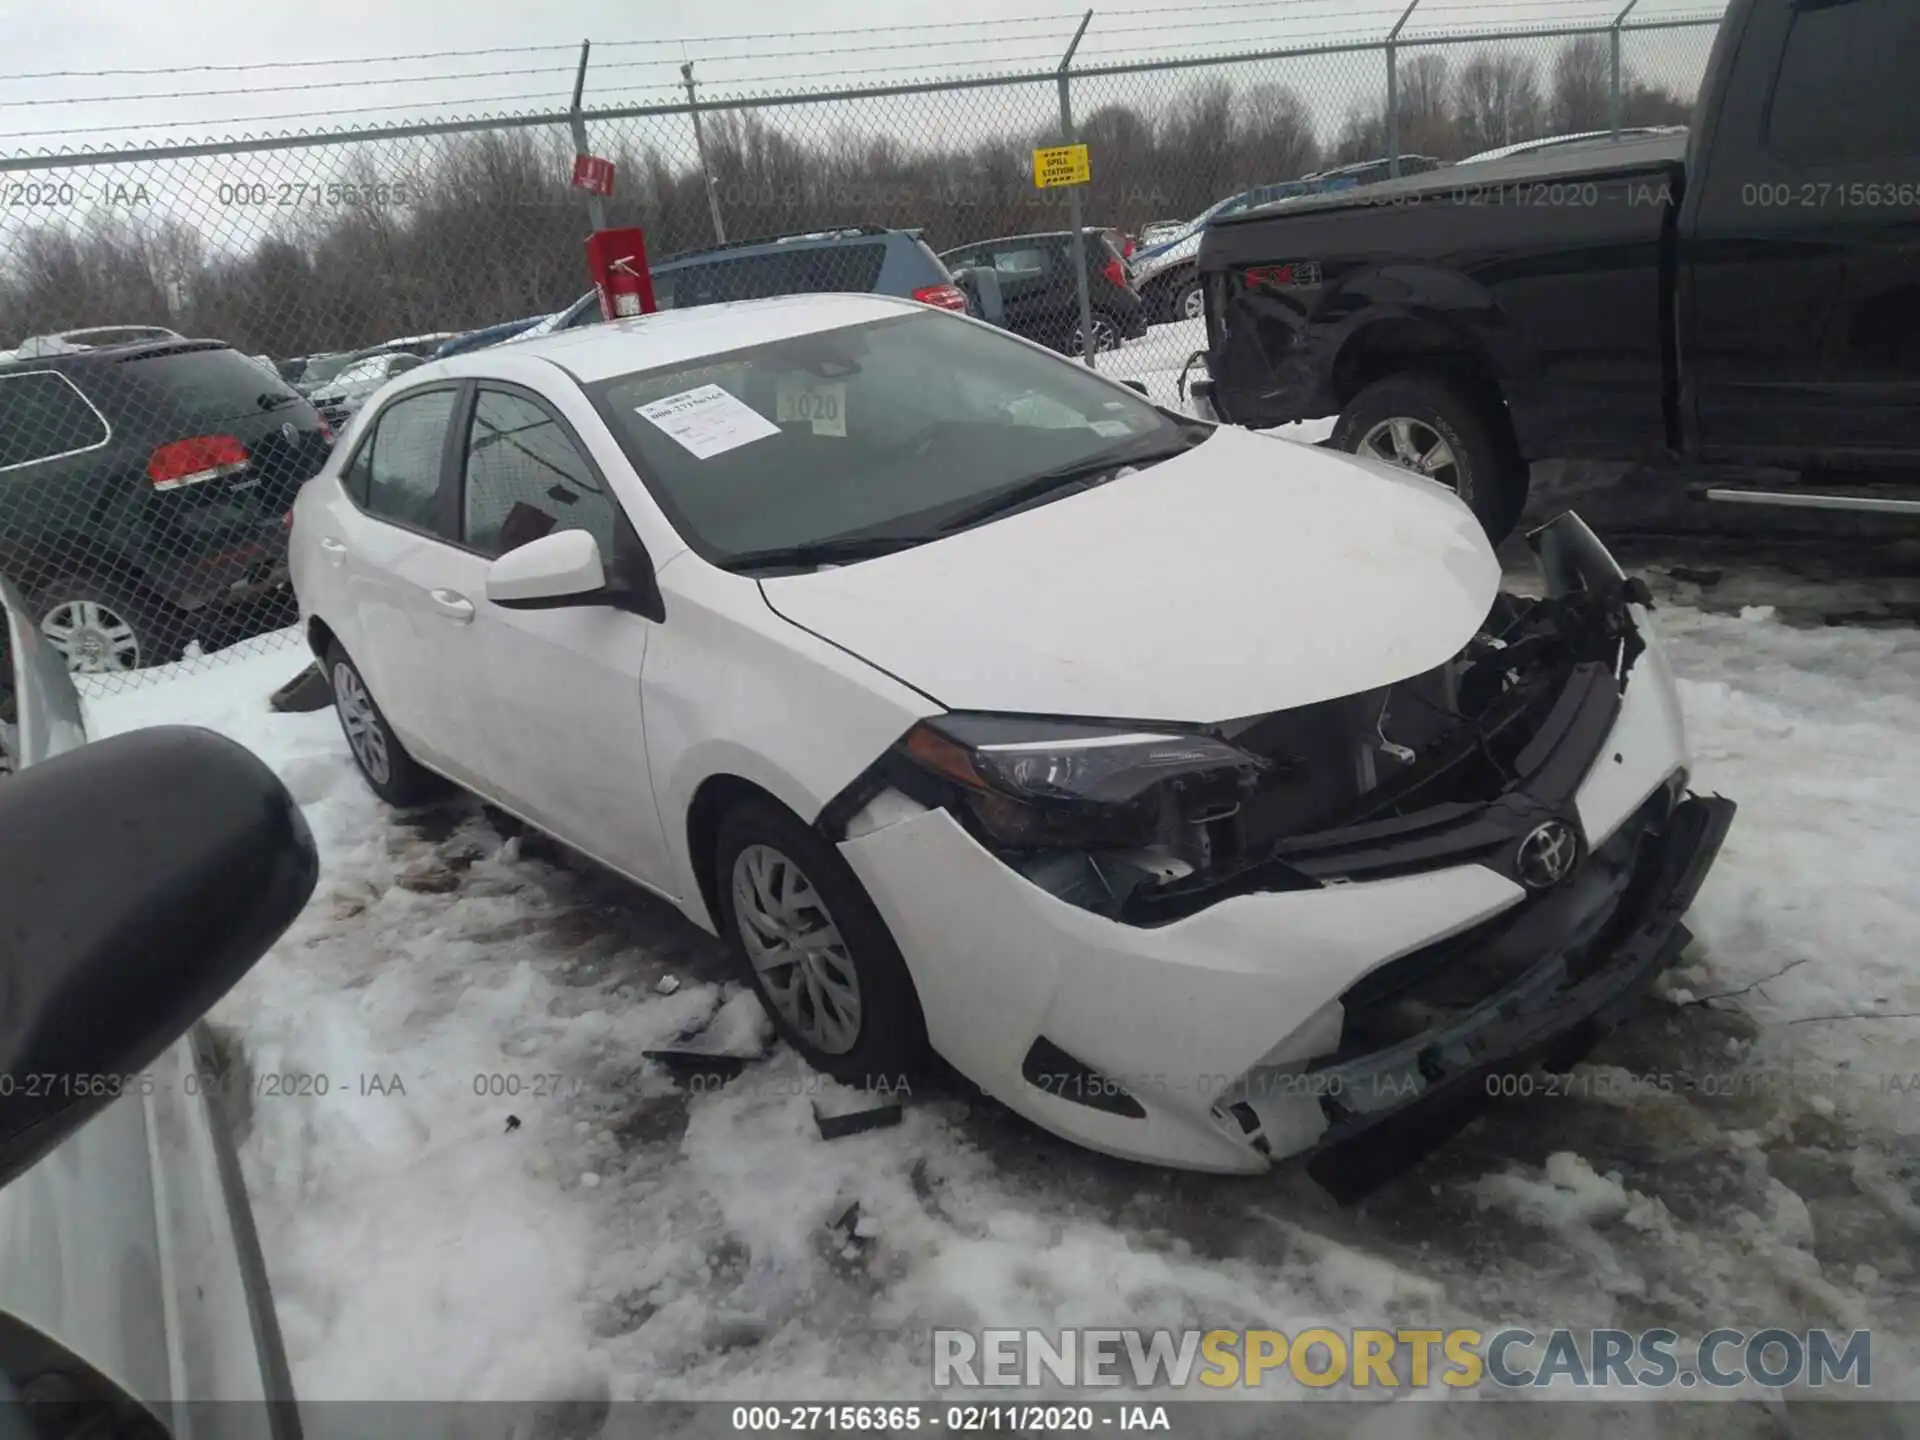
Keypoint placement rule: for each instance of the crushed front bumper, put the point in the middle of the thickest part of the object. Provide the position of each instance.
(1391, 1107)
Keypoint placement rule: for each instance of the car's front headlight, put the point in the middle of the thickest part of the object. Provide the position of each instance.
(1037, 784)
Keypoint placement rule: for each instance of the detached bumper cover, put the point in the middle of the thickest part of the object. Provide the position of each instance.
(1397, 1105)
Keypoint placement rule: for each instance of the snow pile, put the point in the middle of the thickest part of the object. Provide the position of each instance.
(536, 1212)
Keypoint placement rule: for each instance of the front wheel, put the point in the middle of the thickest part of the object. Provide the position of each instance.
(1440, 429)
(806, 937)
(390, 772)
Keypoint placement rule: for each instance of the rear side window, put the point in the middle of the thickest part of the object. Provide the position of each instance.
(402, 476)
(199, 389)
(1845, 87)
(43, 416)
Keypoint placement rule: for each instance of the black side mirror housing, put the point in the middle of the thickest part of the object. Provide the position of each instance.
(140, 877)
(1136, 385)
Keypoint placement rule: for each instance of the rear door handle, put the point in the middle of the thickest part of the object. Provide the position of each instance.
(335, 550)
(455, 606)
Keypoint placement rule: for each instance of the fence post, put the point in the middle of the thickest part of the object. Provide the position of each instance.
(1393, 93)
(700, 144)
(1079, 241)
(1615, 100)
(596, 209)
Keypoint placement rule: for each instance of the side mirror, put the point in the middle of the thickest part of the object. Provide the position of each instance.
(558, 569)
(564, 569)
(1136, 385)
(140, 878)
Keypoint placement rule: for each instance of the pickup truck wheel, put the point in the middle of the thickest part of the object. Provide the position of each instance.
(1437, 428)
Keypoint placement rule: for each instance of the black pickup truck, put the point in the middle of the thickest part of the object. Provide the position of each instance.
(1747, 293)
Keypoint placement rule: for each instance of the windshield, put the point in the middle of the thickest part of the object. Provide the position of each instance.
(889, 427)
(324, 369)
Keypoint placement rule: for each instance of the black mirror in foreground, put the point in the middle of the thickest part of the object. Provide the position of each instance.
(140, 877)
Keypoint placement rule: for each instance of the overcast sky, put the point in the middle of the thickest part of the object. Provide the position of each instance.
(790, 45)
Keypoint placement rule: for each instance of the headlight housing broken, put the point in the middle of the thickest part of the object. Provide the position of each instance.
(1040, 784)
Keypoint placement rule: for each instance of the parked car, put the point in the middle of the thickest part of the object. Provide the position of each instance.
(485, 336)
(1583, 137)
(913, 660)
(1040, 297)
(861, 258)
(1156, 231)
(340, 396)
(134, 1300)
(96, 337)
(1599, 301)
(1166, 275)
(142, 491)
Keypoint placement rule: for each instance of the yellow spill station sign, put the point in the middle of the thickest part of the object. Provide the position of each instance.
(1061, 165)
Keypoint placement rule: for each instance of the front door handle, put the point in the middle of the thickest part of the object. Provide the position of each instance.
(455, 606)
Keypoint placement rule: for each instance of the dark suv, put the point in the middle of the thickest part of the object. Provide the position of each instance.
(1039, 296)
(143, 490)
(860, 258)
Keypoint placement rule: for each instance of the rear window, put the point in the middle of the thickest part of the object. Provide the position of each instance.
(204, 385)
(813, 270)
(42, 416)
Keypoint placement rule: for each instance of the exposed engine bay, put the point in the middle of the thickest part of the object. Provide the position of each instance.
(1274, 801)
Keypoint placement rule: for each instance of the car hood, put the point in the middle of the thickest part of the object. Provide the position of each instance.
(1250, 574)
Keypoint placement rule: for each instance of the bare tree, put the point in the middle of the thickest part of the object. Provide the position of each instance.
(1582, 86)
(1496, 100)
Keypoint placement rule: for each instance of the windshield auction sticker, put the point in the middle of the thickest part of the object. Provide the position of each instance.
(708, 421)
(823, 404)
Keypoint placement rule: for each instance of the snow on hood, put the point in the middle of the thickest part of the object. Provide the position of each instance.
(1250, 574)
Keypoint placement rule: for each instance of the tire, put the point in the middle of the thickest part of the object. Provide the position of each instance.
(390, 772)
(1416, 420)
(1106, 335)
(105, 628)
(1190, 300)
(880, 1038)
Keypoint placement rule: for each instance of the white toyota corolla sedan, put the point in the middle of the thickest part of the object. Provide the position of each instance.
(1196, 793)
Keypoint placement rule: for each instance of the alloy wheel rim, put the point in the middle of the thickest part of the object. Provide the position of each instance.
(1413, 445)
(796, 949)
(365, 737)
(92, 637)
(1193, 305)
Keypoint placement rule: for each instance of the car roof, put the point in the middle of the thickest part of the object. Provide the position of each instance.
(673, 337)
(1031, 235)
(12, 362)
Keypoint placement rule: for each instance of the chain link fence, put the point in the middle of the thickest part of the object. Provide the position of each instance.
(184, 329)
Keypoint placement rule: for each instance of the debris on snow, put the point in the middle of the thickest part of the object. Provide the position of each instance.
(668, 984)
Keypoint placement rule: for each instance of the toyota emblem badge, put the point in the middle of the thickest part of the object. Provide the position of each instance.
(1547, 855)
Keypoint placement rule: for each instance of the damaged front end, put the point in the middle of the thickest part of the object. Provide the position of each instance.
(1482, 762)
(1148, 823)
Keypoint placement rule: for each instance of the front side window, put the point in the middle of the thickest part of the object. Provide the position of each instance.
(403, 460)
(1020, 264)
(43, 415)
(525, 479)
(893, 427)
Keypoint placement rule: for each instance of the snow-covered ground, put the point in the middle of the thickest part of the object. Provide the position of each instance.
(628, 1237)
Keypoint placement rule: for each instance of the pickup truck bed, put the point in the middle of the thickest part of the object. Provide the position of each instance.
(1547, 270)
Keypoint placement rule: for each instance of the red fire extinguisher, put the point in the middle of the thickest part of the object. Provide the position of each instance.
(617, 260)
